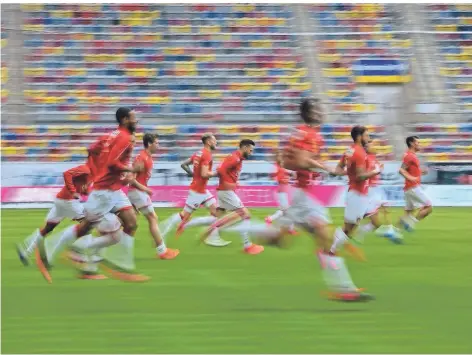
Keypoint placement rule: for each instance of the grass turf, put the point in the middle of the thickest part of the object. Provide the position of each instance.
(213, 300)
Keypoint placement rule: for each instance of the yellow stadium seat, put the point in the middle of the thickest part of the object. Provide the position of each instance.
(338, 93)
(210, 29)
(8, 150)
(451, 128)
(32, 7)
(253, 136)
(269, 129)
(5, 93)
(210, 94)
(286, 65)
(166, 129)
(269, 143)
(446, 28)
(329, 58)
(205, 58)
(228, 129)
(229, 143)
(261, 44)
(337, 72)
(256, 72)
(90, 7)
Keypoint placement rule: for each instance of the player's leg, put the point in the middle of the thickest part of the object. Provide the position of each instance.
(162, 251)
(179, 219)
(356, 209)
(415, 200)
(26, 248)
(231, 202)
(214, 239)
(283, 200)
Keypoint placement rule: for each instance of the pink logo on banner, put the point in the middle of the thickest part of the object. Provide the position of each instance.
(252, 196)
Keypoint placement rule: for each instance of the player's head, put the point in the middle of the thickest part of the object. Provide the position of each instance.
(151, 142)
(126, 117)
(209, 140)
(246, 146)
(360, 135)
(413, 143)
(311, 111)
(371, 146)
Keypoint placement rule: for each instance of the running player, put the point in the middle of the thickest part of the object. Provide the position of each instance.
(67, 204)
(282, 176)
(199, 195)
(415, 196)
(142, 201)
(301, 155)
(228, 200)
(106, 199)
(358, 205)
(377, 203)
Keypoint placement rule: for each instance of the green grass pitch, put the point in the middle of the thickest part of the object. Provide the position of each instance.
(212, 300)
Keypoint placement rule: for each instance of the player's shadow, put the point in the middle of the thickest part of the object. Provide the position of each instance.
(296, 310)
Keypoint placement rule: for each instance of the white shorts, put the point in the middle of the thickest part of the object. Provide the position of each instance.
(305, 210)
(377, 198)
(196, 199)
(416, 198)
(101, 202)
(357, 207)
(109, 223)
(282, 199)
(228, 200)
(139, 199)
(72, 209)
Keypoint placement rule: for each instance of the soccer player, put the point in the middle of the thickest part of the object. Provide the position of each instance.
(282, 176)
(358, 204)
(67, 204)
(228, 200)
(142, 201)
(302, 155)
(199, 195)
(105, 200)
(378, 202)
(415, 196)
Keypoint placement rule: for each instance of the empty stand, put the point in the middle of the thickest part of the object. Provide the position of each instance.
(69, 143)
(172, 61)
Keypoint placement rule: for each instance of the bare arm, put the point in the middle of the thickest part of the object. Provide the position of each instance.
(206, 173)
(406, 174)
(340, 169)
(186, 166)
(140, 187)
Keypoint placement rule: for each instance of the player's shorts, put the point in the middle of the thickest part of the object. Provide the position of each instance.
(305, 210)
(357, 207)
(101, 202)
(377, 199)
(109, 223)
(416, 198)
(141, 200)
(72, 209)
(197, 199)
(228, 200)
(282, 199)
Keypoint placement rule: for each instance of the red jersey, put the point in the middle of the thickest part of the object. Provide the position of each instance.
(373, 163)
(306, 138)
(200, 159)
(78, 180)
(144, 176)
(229, 171)
(411, 164)
(355, 158)
(96, 160)
(116, 153)
(282, 176)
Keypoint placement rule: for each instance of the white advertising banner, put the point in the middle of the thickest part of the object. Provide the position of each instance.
(170, 173)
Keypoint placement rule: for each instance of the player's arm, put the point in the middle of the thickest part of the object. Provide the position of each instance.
(340, 169)
(205, 169)
(186, 166)
(140, 187)
(361, 173)
(403, 172)
(116, 153)
(69, 176)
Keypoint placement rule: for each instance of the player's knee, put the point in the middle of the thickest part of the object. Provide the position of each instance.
(48, 228)
(244, 213)
(429, 210)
